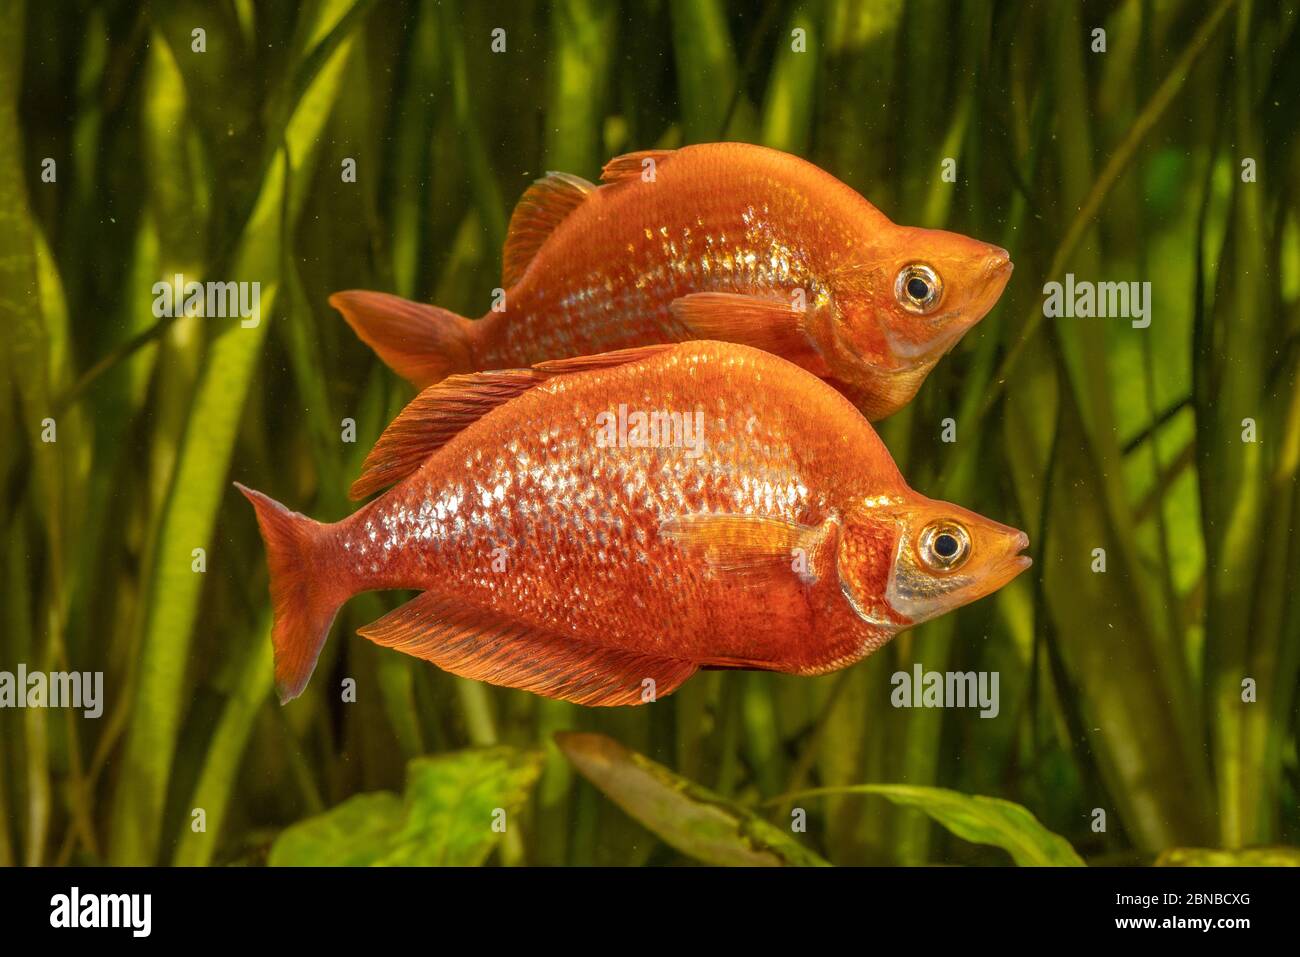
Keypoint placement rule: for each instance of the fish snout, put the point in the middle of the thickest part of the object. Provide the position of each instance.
(989, 282)
(1018, 560)
(1005, 547)
(999, 259)
(998, 263)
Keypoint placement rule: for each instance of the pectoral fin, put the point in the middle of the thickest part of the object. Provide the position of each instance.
(757, 550)
(769, 323)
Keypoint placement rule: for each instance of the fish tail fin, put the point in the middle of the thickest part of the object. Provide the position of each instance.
(423, 344)
(304, 596)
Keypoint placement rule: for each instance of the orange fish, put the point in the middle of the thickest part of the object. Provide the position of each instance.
(723, 241)
(597, 529)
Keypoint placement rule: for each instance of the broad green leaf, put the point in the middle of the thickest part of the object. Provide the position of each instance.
(1212, 857)
(690, 818)
(450, 815)
(975, 818)
(356, 833)
(453, 802)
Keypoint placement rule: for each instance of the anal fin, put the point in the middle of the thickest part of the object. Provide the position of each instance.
(485, 646)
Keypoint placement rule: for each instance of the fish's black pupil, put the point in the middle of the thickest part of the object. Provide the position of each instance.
(918, 288)
(945, 546)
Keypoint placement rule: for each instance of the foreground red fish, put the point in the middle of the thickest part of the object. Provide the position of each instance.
(723, 241)
(598, 529)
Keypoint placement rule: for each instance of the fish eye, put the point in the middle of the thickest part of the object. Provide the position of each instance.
(944, 546)
(918, 288)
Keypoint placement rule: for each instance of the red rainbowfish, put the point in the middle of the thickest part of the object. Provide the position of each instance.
(723, 241)
(598, 529)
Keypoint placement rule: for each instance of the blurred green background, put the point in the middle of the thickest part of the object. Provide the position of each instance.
(1120, 691)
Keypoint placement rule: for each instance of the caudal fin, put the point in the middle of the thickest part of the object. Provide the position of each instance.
(304, 596)
(423, 344)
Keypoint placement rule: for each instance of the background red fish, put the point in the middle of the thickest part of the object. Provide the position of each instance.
(563, 551)
(723, 241)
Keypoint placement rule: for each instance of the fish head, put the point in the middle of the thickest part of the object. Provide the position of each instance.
(908, 559)
(915, 297)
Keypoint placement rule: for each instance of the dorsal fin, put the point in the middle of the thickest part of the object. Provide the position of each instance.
(444, 409)
(543, 207)
(633, 165)
(432, 418)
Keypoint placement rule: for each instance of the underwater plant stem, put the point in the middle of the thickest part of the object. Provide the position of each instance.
(1105, 182)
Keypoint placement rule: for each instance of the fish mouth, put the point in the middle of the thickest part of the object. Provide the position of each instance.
(1016, 562)
(998, 264)
(1009, 567)
(997, 273)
